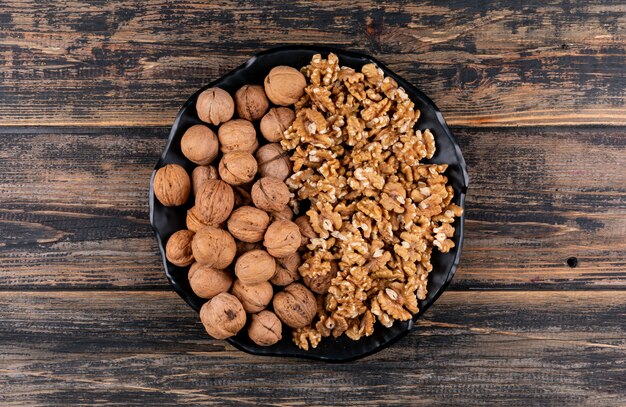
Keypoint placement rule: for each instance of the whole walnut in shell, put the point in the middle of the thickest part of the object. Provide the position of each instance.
(286, 214)
(172, 185)
(253, 297)
(273, 161)
(237, 167)
(223, 316)
(295, 306)
(213, 247)
(207, 282)
(321, 283)
(200, 175)
(284, 85)
(282, 238)
(215, 106)
(178, 248)
(251, 102)
(248, 224)
(265, 328)
(214, 202)
(237, 135)
(275, 122)
(255, 267)
(199, 144)
(306, 230)
(193, 221)
(270, 194)
(286, 270)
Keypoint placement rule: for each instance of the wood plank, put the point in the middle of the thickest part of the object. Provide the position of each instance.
(74, 212)
(134, 63)
(473, 348)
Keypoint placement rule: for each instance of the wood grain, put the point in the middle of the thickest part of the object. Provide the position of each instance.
(74, 212)
(473, 348)
(134, 63)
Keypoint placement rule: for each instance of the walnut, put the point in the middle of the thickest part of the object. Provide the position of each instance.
(270, 194)
(237, 167)
(199, 144)
(215, 106)
(303, 336)
(178, 248)
(265, 328)
(213, 247)
(295, 305)
(244, 247)
(253, 297)
(237, 135)
(242, 196)
(286, 270)
(214, 202)
(284, 85)
(193, 221)
(306, 230)
(251, 102)
(285, 214)
(273, 161)
(321, 283)
(207, 282)
(200, 175)
(275, 122)
(172, 185)
(282, 238)
(255, 267)
(223, 316)
(248, 224)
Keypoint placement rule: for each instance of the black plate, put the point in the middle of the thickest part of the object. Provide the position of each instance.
(166, 221)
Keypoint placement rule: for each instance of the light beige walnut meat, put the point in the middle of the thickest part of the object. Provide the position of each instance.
(214, 202)
(213, 247)
(270, 194)
(237, 135)
(207, 282)
(215, 106)
(273, 161)
(248, 224)
(265, 328)
(282, 238)
(200, 175)
(275, 122)
(251, 102)
(172, 185)
(295, 305)
(223, 316)
(253, 297)
(286, 270)
(255, 267)
(284, 85)
(237, 167)
(178, 248)
(199, 144)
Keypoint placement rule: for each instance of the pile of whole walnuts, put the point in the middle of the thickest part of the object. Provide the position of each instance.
(240, 242)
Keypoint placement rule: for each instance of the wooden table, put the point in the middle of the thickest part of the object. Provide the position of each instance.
(536, 95)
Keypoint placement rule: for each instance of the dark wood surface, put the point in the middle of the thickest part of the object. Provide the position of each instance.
(536, 95)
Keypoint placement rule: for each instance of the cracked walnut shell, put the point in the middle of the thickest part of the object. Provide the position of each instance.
(199, 144)
(214, 202)
(213, 247)
(237, 135)
(178, 248)
(284, 85)
(223, 316)
(253, 297)
(248, 224)
(255, 267)
(207, 282)
(270, 194)
(237, 167)
(282, 238)
(265, 328)
(295, 305)
(172, 185)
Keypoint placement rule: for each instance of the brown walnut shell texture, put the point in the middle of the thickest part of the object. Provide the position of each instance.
(178, 248)
(202, 174)
(223, 316)
(172, 185)
(306, 230)
(275, 122)
(214, 202)
(248, 224)
(194, 223)
(273, 161)
(215, 106)
(284, 85)
(270, 194)
(295, 306)
(237, 135)
(214, 247)
(251, 102)
(282, 238)
(265, 328)
(253, 297)
(207, 282)
(286, 270)
(237, 167)
(255, 267)
(200, 145)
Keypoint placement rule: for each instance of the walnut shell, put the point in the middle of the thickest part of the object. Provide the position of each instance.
(253, 297)
(193, 221)
(178, 248)
(200, 175)
(237, 167)
(286, 270)
(244, 247)
(215, 106)
(255, 266)
(284, 85)
(172, 185)
(295, 306)
(286, 214)
(251, 102)
(207, 282)
(248, 224)
(199, 144)
(273, 161)
(282, 238)
(237, 135)
(270, 194)
(214, 202)
(223, 316)
(306, 230)
(275, 122)
(265, 328)
(320, 284)
(213, 247)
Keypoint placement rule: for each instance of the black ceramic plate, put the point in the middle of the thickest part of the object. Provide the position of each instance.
(166, 221)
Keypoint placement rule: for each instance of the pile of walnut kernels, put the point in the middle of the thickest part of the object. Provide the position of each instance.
(373, 212)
